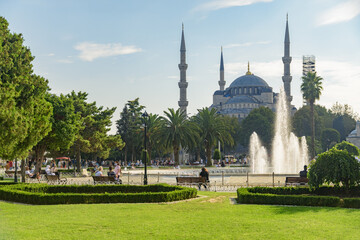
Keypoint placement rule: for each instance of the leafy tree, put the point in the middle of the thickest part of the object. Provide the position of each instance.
(212, 128)
(65, 123)
(128, 126)
(217, 155)
(302, 125)
(344, 109)
(176, 130)
(95, 123)
(153, 124)
(329, 137)
(344, 124)
(24, 112)
(261, 121)
(234, 126)
(334, 166)
(311, 88)
(349, 147)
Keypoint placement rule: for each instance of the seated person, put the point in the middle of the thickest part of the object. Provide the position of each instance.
(205, 174)
(48, 171)
(304, 172)
(30, 174)
(99, 171)
(111, 173)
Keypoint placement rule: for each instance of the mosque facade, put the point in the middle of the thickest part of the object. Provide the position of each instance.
(354, 136)
(249, 91)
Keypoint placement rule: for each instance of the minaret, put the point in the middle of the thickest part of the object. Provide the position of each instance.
(222, 82)
(182, 67)
(287, 60)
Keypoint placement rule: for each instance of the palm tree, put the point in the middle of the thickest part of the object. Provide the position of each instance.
(311, 88)
(176, 130)
(212, 129)
(153, 128)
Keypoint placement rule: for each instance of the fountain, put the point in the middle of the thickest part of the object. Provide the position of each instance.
(289, 154)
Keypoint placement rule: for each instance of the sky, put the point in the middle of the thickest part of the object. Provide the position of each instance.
(117, 51)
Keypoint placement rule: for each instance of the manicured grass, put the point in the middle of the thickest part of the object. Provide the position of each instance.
(209, 217)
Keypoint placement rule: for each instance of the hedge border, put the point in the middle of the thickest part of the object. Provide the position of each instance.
(34, 194)
(290, 196)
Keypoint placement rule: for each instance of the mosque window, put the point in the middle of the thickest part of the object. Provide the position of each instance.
(250, 90)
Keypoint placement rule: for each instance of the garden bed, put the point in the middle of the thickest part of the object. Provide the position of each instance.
(43, 194)
(300, 196)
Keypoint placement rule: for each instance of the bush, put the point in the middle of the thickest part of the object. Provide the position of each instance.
(351, 203)
(75, 194)
(334, 166)
(351, 148)
(245, 196)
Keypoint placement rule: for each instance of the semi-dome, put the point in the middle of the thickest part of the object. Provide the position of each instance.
(249, 80)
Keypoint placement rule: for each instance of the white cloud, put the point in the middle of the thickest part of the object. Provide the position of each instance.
(91, 51)
(219, 4)
(173, 77)
(342, 12)
(65, 61)
(51, 54)
(246, 44)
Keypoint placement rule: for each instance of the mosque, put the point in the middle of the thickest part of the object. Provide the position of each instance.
(246, 92)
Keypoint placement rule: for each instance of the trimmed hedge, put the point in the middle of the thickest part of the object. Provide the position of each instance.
(246, 196)
(322, 191)
(300, 196)
(74, 194)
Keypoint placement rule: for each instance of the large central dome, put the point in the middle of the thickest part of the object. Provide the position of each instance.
(249, 80)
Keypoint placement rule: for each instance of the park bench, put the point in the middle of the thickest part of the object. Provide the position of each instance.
(12, 172)
(192, 181)
(296, 181)
(55, 179)
(106, 179)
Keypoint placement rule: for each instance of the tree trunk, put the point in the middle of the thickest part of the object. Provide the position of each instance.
(176, 154)
(125, 157)
(208, 156)
(78, 158)
(198, 157)
(149, 153)
(39, 155)
(22, 170)
(312, 130)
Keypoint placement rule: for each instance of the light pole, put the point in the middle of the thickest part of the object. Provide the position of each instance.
(145, 116)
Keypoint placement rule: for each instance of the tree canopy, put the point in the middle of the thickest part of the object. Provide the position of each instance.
(334, 166)
(24, 112)
(260, 120)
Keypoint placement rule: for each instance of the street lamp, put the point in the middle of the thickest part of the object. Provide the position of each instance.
(145, 116)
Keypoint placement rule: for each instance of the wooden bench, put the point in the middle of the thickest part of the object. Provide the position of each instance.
(192, 181)
(55, 179)
(106, 179)
(296, 181)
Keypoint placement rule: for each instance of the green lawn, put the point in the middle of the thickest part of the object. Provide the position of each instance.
(209, 217)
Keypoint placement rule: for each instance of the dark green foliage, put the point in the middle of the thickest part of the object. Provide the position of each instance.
(334, 166)
(351, 202)
(301, 122)
(128, 127)
(212, 129)
(176, 130)
(217, 154)
(261, 121)
(349, 147)
(344, 124)
(78, 194)
(329, 137)
(24, 112)
(245, 196)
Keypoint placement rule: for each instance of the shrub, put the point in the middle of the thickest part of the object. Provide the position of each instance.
(73, 194)
(351, 202)
(244, 196)
(351, 148)
(334, 166)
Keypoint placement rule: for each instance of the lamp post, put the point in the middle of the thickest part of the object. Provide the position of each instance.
(15, 176)
(145, 116)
